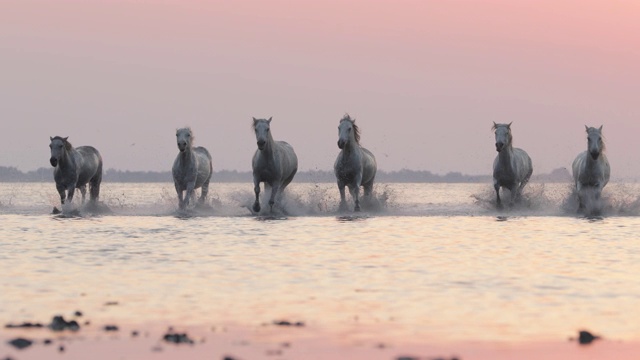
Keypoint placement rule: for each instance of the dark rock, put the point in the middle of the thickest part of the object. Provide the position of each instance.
(58, 323)
(177, 338)
(61, 348)
(407, 358)
(111, 328)
(20, 343)
(227, 357)
(585, 337)
(134, 333)
(288, 323)
(111, 303)
(78, 313)
(47, 341)
(26, 325)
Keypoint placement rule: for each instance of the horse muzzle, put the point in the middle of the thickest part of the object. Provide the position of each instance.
(499, 146)
(261, 144)
(54, 162)
(594, 155)
(341, 144)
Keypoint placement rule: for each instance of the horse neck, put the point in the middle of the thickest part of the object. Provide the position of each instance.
(505, 156)
(65, 159)
(591, 163)
(269, 147)
(186, 154)
(351, 146)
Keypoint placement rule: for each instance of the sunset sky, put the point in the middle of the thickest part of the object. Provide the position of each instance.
(424, 79)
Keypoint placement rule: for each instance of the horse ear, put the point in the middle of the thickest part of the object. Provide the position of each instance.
(50, 138)
(586, 128)
(65, 139)
(269, 121)
(600, 128)
(509, 126)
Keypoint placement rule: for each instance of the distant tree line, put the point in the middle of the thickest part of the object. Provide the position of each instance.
(12, 174)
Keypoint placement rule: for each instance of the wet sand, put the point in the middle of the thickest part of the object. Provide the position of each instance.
(271, 341)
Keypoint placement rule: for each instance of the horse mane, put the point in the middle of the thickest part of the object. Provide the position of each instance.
(67, 144)
(356, 129)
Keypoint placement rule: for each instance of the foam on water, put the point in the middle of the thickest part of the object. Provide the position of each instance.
(235, 199)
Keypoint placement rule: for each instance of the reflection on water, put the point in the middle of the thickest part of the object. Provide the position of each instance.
(434, 264)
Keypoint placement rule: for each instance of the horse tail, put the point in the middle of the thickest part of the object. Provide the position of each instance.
(94, 182)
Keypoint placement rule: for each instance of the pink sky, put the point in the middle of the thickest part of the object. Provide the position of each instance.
(425, 79)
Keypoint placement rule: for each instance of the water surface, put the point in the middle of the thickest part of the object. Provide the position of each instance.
(428, 261)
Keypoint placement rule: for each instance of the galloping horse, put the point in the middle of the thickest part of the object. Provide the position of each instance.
(75, 168)
(512, 167)
(192, 168)
(274, 163)
(591, 169)
(355, 166)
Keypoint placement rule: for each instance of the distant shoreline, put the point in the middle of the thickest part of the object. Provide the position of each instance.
(12, 174)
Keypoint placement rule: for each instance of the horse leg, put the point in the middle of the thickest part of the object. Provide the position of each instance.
(189, 195)
(343, 197)
(62, 191)
(368, 188)
(180, 200)
(580, 198)
(83, 191)
(368, 192)
(70, 193)
(354, 189)
(275, 189)
(256, 189)
(204, 191)
(496, 186)
(94, 187)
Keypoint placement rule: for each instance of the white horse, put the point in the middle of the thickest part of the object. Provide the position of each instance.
(512, 167)
(591, 169)
(192, 168)
(274, 163)
(75, 168)
(355, 166)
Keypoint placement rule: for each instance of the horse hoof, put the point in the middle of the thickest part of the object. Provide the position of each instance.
(256, 208)
(357, 209)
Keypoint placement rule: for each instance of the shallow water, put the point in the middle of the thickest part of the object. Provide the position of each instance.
(427, 261)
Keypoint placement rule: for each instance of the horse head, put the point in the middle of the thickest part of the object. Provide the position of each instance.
(595, 145)
(262, 128)
(58, 147)
(184, 137)
(347, 131)
(503, 135)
